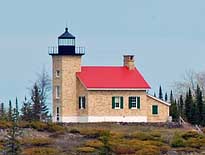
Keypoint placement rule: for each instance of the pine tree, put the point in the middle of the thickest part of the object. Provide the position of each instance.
(17, 109)
(199, 105)
(2, 112)
(10, 111)
(26, 110)
(188, 105)
(35, 97)
(12, 145)
(40, 110)
(155, 94)
(171, 98)
(160, 93)
(181, 106)
(174, 111)
(166, 97)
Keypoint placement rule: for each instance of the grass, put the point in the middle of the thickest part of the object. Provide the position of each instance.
(112, 137)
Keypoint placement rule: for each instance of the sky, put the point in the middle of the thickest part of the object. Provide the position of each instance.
(166, 36)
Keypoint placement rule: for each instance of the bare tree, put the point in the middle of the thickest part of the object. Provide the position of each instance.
(190, 80)
(41, 88)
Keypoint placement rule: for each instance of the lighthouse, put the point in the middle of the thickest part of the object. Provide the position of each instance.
(66, 61)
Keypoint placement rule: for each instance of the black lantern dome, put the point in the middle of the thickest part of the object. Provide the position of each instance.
(66, 45)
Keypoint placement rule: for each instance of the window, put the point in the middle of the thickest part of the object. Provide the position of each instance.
(81, 102)
(134, 102)
(154, 109)
(66, 42)
(57, 113)
(117, 102)
(57, 73)
(57, 91)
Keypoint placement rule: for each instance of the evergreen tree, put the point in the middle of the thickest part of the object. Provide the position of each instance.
(2, 112)
(12, 145)
(10, 111)
(181, 106)
(26, 110)
(160, 93)
(188, 105)
(199, 105)
(39, 110)
(171, 98)
(17, 109)
(35, 97)
(174, 111)
(166, 97)
(155, 94)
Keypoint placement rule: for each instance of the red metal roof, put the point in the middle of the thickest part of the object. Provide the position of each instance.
(111, 77)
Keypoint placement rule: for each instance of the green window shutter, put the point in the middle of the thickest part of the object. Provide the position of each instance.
(130, 103)
(113, 102)
(79, 103)
(121, 102)
(155, 109)
(138, 102)
(84, 102)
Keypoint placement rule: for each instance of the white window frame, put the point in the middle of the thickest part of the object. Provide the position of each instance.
(81, 102)
(157, 109)
(117, 102)
(57, 92)
(57, 73)
(134, 102)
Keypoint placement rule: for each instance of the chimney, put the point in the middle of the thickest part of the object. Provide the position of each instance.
(129, 62)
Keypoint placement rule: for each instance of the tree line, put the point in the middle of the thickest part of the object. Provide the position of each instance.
(189, 106)
(35, 108)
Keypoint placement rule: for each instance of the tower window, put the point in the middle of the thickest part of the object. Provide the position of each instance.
(66, 42)
(57, 91)
(81, 102)
(57, 114)
(57, 73)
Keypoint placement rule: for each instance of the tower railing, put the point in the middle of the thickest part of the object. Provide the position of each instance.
(53, 50)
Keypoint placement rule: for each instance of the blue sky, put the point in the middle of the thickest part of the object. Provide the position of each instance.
(166, 37)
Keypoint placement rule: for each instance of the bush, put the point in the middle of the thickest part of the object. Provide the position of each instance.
(143, 136)
(191, 134)
(86, 149)
(37, 141)
(52, 127)
(194, 143)
(149, 150)
(74, 131)
(123, 149)
(93, 133)
(5, 124)
(177, 141)
(94, 143)
(24, 124)
(40, 151)
(40, 126)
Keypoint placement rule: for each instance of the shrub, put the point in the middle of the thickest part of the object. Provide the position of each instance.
(40, 126)
(164, 149)
(40, 151)
(93, 133)
(37, 141)
(52, 127)
(24, 124)
(74, 131)
(177, 141)
(149, 151)
(94, 143)
(123, 149)
(191, 134)
(143, 136)
(194, 143)
(86, 149)
(5, 124)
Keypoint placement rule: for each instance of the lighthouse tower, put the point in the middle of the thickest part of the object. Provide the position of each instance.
(66, 61)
